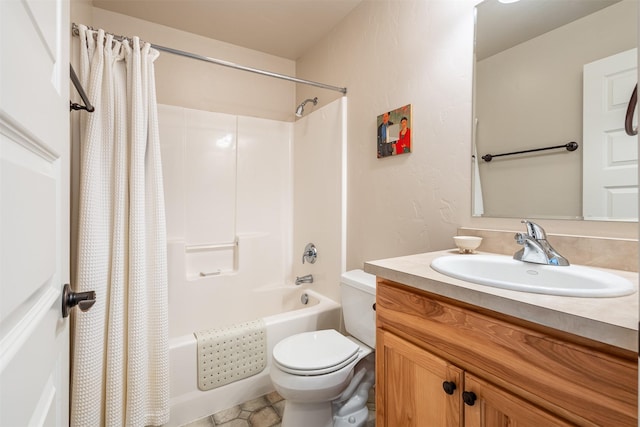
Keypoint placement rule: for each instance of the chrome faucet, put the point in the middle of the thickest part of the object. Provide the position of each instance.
(310, 253)
(304, 279)
(536, 248)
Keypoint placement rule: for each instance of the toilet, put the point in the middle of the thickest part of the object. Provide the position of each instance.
(325, 376)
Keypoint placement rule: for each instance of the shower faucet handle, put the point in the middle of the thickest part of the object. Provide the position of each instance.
(310, 253)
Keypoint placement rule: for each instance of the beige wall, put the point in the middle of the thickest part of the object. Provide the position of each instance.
(388, 54)
(530, 96)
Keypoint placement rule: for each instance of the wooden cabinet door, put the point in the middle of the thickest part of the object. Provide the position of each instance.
(494, 407)
(410, 389)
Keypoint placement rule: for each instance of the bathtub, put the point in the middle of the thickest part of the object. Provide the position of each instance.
(284, 315)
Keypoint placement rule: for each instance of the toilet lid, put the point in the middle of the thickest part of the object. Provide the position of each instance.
(315, 353)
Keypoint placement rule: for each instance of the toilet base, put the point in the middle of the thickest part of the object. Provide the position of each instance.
(321, 415)
(356, 419)
(350, 409)
(316, 414)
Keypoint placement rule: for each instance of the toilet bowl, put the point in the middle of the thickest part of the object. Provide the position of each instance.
(314, 371)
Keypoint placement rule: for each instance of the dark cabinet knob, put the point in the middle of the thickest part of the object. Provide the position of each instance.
(469, 397)
(449, 387)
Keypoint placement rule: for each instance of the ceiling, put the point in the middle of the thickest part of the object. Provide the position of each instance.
(288, 28)
(501, 26)
(285, 28)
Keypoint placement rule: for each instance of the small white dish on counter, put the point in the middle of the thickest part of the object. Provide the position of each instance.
(467, 244)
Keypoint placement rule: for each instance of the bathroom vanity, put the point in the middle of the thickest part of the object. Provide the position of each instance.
(453, 353)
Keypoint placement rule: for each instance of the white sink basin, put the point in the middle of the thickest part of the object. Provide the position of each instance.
(504, 272)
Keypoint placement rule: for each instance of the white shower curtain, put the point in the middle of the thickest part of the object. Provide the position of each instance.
(120, 368)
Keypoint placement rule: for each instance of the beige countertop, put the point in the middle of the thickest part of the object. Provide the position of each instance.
(610, 320)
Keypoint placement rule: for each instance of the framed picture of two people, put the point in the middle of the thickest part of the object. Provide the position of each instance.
(394, 132)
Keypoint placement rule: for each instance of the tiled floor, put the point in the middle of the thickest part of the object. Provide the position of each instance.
(265, 411)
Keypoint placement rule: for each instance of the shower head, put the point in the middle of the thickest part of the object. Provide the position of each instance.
(300, 109)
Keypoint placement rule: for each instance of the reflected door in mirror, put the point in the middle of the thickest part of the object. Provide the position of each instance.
(610, 189)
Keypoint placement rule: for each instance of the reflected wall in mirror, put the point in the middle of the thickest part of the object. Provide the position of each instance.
(539, 82)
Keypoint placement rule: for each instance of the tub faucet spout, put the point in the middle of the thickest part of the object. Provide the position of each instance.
(304, 279)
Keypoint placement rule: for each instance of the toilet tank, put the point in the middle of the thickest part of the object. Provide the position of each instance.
(358, 298)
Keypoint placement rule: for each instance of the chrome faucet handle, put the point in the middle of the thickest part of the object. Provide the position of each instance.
(520, 238)
(534, 230)
(536, 248)
(310, 253)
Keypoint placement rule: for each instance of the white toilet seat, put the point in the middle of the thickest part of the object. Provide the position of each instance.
(315, 353)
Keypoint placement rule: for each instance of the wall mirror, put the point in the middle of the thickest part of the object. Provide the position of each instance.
(548, 73)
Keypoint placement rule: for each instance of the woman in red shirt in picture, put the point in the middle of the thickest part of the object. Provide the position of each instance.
(403, 145)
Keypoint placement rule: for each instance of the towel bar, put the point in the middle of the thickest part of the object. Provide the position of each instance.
(570, 146)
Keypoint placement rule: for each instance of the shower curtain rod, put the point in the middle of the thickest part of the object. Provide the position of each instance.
(343, 90)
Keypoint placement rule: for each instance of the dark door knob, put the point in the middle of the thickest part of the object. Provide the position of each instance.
(469, 397)
(70, 299)
(449, 387)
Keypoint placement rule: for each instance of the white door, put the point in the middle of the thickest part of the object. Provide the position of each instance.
(34, 212)
(610, 156)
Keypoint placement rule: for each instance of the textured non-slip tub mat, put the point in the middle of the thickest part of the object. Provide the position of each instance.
(231, 353)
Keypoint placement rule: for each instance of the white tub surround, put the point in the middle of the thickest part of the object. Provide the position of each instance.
(611, 321)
